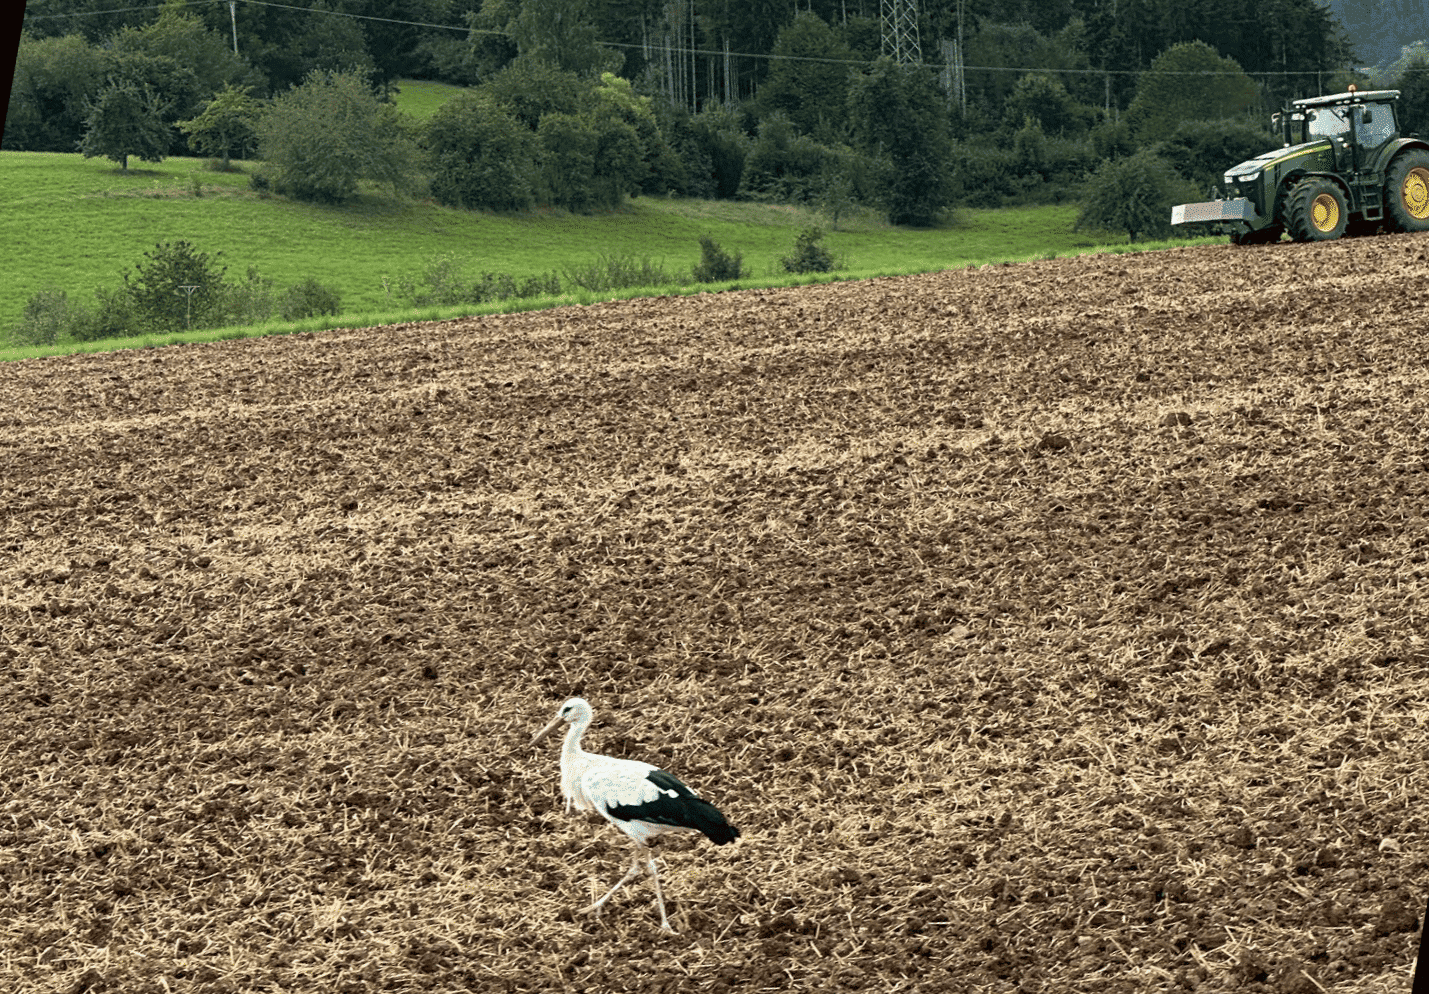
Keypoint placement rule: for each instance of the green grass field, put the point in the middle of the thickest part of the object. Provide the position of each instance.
(77, 224)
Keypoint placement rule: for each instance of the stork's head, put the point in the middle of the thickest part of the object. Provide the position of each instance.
(574, 710)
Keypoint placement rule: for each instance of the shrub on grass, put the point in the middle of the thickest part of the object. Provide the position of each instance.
(156, 289)
(442, 282)
(1133, 195)
(248, 302)
(716, 265)
(46, 319)
(617, 272)
(809, 256)
(481, 158)
(541, 285)
(113, 316)
(308, 299)
(51, 316)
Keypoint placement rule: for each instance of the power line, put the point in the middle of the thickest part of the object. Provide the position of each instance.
(722, 54)
(366, 17)
(99, 13)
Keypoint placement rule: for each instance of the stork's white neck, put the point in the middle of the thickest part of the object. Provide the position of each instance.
(573, 761)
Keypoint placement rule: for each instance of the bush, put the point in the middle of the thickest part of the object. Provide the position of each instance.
(442, 282)
(617, 272)
(783, 166)
(1202, 151)
(308, 299)
(46, 319)
(249, 302)
(143, 304)
(481, 157)
(809, 256)
(113, 316)
(50, 316)
(320, 138)
(161, 304)
(1134, 195)
(986, 175)
(716, 265)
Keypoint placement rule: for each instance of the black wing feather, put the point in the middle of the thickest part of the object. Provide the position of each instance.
(684, 810)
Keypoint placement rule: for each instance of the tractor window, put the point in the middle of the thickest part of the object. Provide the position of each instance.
(1379, 129)
(1327, 122)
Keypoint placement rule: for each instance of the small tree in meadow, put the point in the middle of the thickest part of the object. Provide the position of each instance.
(480, 157)
(225, 125)
(322, 137)
(157, 288)
(1134, 195)
(716, 265)
(126, 119)
(809, 255)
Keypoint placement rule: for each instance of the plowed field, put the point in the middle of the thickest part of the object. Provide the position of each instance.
(1053, 627)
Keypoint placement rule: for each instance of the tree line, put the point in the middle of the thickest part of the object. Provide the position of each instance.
(574, 103)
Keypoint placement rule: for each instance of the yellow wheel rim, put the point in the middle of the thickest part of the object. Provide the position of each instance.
(1415, 193)
(1325, 212)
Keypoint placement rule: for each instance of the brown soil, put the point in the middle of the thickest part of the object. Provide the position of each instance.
(1055, 627)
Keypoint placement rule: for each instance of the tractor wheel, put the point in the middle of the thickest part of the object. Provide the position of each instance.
(1315, 210)
(1406, 193)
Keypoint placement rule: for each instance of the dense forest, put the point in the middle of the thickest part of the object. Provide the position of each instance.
(720, 50)
(578, 103)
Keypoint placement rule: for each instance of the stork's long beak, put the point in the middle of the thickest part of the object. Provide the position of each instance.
(547, 730)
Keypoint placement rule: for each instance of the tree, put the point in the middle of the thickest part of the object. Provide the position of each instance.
(560, 32)
(808, 79)
(590, 162)
(1411, 77)
(1046, 101)
(481, 157)
(55, 81)
(661, 170)
(157, 288)
(1188, 82)
(899, 114)
(322, 137)
(1134, 195)
(288, 43)
(181, 58)
(531, 88)
(225, 124)
(1202, 151)
(126, 120)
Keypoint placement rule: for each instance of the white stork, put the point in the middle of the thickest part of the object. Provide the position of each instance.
(637, 798)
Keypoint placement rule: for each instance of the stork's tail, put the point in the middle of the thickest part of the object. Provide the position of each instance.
(711, 821)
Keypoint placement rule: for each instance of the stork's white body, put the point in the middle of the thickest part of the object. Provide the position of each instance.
(640, 800)
(600, 783)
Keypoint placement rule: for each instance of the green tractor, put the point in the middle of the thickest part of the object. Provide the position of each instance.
(1344, 166)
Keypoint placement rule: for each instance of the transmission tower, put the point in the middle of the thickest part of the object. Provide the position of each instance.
(900, 30)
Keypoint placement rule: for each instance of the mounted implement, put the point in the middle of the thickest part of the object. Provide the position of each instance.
(1344, 166)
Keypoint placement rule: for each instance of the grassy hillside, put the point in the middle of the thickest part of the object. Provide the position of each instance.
(421, 98)
(80, 223)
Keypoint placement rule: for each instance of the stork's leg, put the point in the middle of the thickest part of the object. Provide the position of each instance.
(635, 870)
(659, 897)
